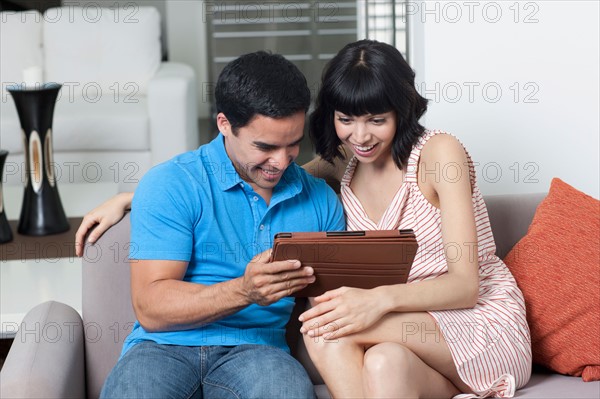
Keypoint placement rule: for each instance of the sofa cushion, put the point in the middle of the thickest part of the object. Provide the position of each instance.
(544, 385)
(81, 124)
(557, 266)
(112, 47)
(20, 45)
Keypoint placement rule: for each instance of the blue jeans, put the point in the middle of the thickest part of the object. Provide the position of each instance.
(151, 370)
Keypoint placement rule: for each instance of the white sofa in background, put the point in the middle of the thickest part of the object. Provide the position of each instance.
(120, 111)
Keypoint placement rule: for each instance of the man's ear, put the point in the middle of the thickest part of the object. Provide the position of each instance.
(224, 125)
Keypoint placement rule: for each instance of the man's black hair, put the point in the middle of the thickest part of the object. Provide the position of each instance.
(260, 83)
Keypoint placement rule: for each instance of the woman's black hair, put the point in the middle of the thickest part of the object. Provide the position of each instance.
(368, 77)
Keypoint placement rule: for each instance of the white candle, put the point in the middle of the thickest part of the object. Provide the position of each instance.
(33, 77)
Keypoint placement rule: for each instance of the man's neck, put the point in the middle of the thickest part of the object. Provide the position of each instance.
(265, 193)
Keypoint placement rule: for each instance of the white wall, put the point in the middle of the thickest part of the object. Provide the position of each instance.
(549, 48)
(551, 129)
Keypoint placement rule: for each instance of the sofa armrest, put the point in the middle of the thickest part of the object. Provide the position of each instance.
(106, 302)
(173, 111)
(46, 358)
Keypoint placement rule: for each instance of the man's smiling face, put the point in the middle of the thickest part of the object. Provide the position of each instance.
(263, 149)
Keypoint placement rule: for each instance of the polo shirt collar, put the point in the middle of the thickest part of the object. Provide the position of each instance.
(289, 184)
(220, 164)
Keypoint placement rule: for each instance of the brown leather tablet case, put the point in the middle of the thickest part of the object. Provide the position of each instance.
(362, 259)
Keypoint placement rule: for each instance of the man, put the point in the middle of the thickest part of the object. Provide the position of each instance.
(211, 309)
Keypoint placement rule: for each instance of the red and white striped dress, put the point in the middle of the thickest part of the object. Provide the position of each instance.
(490, 343)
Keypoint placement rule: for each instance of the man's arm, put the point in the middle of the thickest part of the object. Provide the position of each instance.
(163, 302)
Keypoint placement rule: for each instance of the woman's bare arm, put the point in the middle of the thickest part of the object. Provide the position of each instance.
(104, 216)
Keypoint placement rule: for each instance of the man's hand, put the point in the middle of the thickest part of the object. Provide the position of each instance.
(267, 282)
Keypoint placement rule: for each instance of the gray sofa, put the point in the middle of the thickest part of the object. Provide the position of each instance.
(75, 362)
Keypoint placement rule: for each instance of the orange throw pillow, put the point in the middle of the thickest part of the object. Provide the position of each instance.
(557, 266)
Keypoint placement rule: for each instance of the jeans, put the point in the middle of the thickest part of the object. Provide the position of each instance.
(151, 370)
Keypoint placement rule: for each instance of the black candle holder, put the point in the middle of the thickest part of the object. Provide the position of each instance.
(5, 231)
(42, 212)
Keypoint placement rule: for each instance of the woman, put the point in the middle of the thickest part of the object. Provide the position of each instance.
(458, 325)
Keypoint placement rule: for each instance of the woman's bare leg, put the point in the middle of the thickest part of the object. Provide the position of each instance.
(340, 361)
(340, 364)
(392, 370)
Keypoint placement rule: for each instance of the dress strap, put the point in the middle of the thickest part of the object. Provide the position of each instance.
(413, 159)
(415, 155)
(349, 172)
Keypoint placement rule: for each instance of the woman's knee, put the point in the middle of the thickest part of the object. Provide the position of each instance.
(387, 359)
(387, 371)
(321, 350)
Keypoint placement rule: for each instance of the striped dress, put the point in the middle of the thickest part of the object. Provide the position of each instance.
(490, 343)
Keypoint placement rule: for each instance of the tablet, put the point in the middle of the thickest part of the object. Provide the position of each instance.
(362, 259)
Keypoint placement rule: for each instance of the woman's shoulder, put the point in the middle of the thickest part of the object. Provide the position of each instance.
(442, 146)
(445, 157)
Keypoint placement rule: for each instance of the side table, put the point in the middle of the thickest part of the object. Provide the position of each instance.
(34, 270)
(38, 269)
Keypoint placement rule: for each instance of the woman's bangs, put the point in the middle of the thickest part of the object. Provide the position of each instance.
(359, 93)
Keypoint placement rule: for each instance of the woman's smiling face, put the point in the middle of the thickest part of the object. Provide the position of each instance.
(370, 137)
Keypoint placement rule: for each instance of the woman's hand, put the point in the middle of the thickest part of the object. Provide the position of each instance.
(342, 312)
(106, 215)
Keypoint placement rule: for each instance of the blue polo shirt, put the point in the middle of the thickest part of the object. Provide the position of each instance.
(196, 208)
